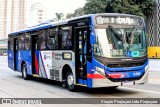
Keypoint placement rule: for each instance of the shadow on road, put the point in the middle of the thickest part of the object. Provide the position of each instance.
(94, 92)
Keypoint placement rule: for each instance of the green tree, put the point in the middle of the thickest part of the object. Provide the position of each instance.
(95, 6)
(59, 16)
(136, 7)
(77, 12)
(69, 15)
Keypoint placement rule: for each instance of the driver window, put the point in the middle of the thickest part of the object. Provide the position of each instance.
(137, 41)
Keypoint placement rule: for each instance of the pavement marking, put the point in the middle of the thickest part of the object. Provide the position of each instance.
(141, 90)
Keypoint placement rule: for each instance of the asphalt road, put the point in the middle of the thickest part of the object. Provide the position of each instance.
(13, 86)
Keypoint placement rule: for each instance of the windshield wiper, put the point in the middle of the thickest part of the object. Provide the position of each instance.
(132, 36)
(117, 35)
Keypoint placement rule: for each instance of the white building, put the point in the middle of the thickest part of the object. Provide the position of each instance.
(13, 16)
(3, 19)
(38, 14)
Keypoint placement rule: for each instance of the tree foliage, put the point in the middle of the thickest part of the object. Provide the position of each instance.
(77, 12)
(136, 7)
(59, 16)
(95, 6)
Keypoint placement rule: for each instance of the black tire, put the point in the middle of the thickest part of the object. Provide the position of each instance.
(70, 81)
(24, 72)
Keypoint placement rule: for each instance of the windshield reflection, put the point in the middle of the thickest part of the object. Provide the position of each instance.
(120, 42)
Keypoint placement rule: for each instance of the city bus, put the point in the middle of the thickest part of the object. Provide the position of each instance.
(95, 50)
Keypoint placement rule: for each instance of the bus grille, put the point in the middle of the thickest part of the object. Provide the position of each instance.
(124, 65)
(54, 74)
(124, 79)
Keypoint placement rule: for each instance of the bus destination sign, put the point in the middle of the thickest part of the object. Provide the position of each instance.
(119, 20)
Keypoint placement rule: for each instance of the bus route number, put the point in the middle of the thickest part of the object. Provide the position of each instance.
(118, 52)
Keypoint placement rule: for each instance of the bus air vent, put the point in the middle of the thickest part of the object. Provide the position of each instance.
(56, 73)
(124, 65)
(52, 74)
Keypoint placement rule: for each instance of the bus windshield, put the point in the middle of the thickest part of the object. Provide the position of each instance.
(120, 42)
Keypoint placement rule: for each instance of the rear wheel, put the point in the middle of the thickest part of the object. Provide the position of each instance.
(70, 81)
(24, 72)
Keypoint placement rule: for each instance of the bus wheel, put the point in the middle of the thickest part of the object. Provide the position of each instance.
(70, 82)
(24, 72)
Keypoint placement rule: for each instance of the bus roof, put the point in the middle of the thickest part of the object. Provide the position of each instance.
(51, 24)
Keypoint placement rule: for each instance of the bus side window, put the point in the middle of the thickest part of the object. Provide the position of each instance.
(42, 39)
(27, 41)
(52, 39)
(66, 37)
(10, 43)
(21, 42)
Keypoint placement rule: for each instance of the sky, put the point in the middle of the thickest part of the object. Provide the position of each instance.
(59, 6)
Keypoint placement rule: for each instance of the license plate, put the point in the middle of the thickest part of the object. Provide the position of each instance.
(127, 83)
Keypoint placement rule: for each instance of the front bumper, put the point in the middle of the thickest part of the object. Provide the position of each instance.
(107, 83)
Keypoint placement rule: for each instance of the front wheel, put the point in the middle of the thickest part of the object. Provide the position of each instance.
(24, 72)
(70, 82)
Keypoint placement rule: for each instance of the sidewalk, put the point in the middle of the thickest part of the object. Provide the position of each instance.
(154, 65)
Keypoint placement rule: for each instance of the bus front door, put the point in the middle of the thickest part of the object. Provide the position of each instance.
(34, 48)
(15, 49)
(81, 62)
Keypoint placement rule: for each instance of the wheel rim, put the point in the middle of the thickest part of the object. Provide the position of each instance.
(24, 72)
(70, 80)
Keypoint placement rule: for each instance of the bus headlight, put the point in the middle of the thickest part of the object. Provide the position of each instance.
(100, 70)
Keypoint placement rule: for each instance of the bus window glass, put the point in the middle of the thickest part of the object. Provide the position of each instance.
(42, 39)
(10, 44)
(21, 42)
(121, 42)
(52, 39)
(66, 38)
(27, 41)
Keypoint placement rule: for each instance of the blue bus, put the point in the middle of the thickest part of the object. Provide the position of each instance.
(96, 50)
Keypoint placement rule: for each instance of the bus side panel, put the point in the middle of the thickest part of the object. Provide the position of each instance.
(11, 59)
(89, 71)
(19, 61)
(28, 61)
(16, 61)
(26, 57)
(45, 64)
(51, 64)
(36, 62)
